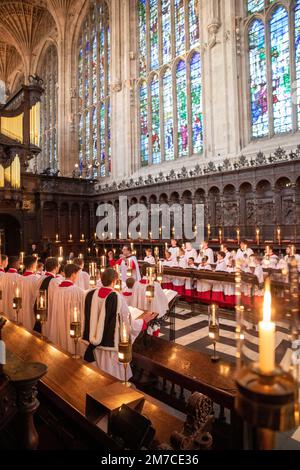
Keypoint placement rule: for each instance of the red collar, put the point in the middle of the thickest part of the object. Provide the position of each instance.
(66, 284)
(28, 273)
(12, 270)
(2, 270)
(49, 274)
(127, 294)
(104, 292)
(143, 281)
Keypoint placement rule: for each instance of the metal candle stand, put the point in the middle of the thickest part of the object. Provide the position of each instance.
(214, 329)
(266, 402)
(41, 317)
(17, 305)
(75, 333)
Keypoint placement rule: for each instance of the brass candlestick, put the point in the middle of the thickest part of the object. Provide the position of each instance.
(214, 329)
(266, 402)
(75, 330)
(125, 346)
(17, 305)
(41, 310)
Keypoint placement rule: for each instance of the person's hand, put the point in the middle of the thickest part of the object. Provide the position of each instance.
(149, 316)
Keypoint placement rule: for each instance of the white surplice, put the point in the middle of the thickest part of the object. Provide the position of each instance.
(159, 304)
(9, 281)
(83, 280)
(133, 262)
(29, 287)
(107, 358)
(62, 301)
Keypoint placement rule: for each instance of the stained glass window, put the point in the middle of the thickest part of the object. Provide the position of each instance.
(48, 115)
(194, 21)
(166, 30)
(296, 93)
(196, 99)
(255, 5)
(93, 92)
(258, 80)
(144, 124)
(281, 79)
(168, 116)
(274, 98)
(169, 32)
(155, 138)
(182, 121)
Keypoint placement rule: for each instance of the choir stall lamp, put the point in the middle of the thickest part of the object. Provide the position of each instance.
(266, 394)
(17, 301)
(125, 345)
(75, 329)
(41, 310)
(93, 273)
(103, 263)
(160, 270)
(214, 329)
(118, 284)
(129, 268)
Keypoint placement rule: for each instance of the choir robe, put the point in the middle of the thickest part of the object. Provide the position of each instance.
(29, 285)
(102, 333)
(210, 254)
(189, 284)
(9, 280)
(63, 299)
(179, 282)
(286, 258)
(204, 286)
(159, 304)
(258, 290)
(191, 254)
(149, 259)
(174, 250)
(217, 294)
(270, 261)
(48, 282)
(134, 266)
(167, 282)
(128, 295)
(229, 291)
(83, 280)
(240, 253)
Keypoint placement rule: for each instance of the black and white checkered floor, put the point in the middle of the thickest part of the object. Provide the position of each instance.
(192, 332)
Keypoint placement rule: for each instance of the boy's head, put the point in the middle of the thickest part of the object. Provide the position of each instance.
(148, 252)
(191, 261)
(130, 281)
(221, 256)
(71, 272)
(79, 262)
(109, 277)
(30, 263)
(3, 261)
(52, 265)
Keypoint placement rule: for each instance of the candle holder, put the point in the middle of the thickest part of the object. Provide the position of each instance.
(75, 330)
(17, 302)
(159, 271)
(214, 329)
(124, 346)
(103, 263)
(266, 401)
(42, 310)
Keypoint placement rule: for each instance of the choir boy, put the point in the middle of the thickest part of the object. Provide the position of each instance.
(149, 258)
(83, 278)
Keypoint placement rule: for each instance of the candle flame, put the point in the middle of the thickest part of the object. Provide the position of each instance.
(267, 303)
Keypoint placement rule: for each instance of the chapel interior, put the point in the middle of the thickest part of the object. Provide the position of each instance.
(189, 108)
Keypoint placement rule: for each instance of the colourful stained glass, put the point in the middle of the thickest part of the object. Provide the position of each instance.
(144, 145)
(87, 136)
(196, 101)
(102, 63)
(255, 5)
(297, 57)
(142, 36)
(102, 139)
(166, 30)
(108, 136)
(168, 116)
(194, 21)
(280, 62)
(155, 136)
(182, 121)
(179, 26)
(258, 80)
(94, 68)
(154, 34)
(93, 83)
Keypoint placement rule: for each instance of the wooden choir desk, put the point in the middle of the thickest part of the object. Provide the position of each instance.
(62, 393)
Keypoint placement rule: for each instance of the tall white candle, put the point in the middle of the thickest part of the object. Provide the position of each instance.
(267, 335)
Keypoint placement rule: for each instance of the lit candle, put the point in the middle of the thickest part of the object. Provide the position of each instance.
(238, 233)
(56, 237)
(166, 246)
(293, 250)
(42, 302)
(17, 292)
(208, 230)
(129, 234)
(150, 234)
(82, 237)
(220, 235)
(267, 335)
(96, 250)
(131, 246)
(75, 315)
(213, 315)
(89, 250)
(120, 235)
(279, 235)
(95, 235)
(124, 333)
(257, 235)
(140, 235)
(60, 251)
